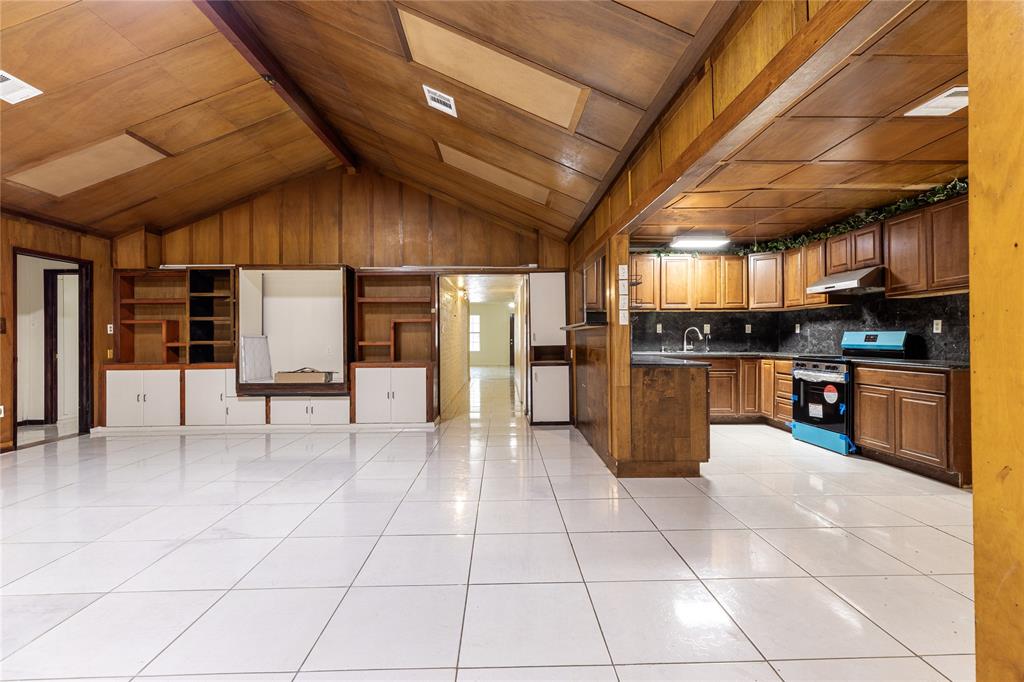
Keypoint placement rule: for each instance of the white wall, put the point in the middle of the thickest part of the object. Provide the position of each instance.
(67, 348)
(31, 336)
(521, 346)
(493, 334)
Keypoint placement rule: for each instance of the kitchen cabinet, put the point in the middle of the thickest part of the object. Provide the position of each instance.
(765, 280)
(549, 389)
(645, 283)
(783, 391)
(874, 417)
(390, 395)
(793, 278)
(906, 253)
(707, 283)
(210, 400)
(676, 279)
(547, 309)
(921, 427)
(948, 253)
(734, 282)
(813, 261)
(854, 250)
(749, 370)
(766, 388)
(150, 397)
(724, 387)
(593, 285)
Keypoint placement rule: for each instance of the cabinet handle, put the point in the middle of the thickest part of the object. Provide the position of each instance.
(222, 397)
(143, 397)
(306, 409)
(311, 409)
(137, 396)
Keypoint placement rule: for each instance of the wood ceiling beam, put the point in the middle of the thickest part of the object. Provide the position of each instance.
(15, 212)
(233, 26)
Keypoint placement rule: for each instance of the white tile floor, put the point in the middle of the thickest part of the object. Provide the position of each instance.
(487, 550)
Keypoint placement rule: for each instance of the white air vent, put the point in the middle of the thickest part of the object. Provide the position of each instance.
(440, 101)
(950, 101)
(14, 90)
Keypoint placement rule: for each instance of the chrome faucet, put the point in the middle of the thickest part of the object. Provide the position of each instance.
(688, 347)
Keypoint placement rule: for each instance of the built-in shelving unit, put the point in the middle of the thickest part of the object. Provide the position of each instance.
(211, 320)
(396, 317)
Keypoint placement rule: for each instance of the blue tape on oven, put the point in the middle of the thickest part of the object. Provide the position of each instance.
(823, 438)
(842, 408)
(794, 398)
(851, 446)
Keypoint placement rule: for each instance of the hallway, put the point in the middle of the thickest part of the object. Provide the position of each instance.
(489, 549)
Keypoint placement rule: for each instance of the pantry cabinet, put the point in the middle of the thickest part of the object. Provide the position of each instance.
(645, 281)
(150, 397)
(390, 395)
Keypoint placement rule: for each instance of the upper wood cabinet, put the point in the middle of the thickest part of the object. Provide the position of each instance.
(948, 250)
(676, 282)
(593, 285)
(645, 289)
(854, 250)
(707, 283)
(813, 270)
(906, 253)
(734, 282)
(765, 280)
(793, 278)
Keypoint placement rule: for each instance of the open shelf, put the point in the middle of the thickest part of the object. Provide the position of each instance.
(401, 308)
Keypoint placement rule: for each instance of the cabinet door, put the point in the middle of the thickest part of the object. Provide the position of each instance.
(161, 397)
(373, 395)
(409, 395)
(948, 253)
(814, 269)
(645, 269)
(866, 246)
(765, 276)
(328, 410)
(766, 388)
(593, 285)
(734, 282)
(749, 370)
(839, 254)
(547, 308)
(906, 254)
(874, 418)
(289, 410)
(724, 388)
(204, 397)
(921, 427)
(124, 398)
(675, 282)
(550, 394)
(793, 278)
(245, 411)
(707, 283)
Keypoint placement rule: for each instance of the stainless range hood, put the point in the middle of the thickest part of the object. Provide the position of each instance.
(864, 281)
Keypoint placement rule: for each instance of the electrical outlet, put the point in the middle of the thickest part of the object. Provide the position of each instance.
(746, 329)
(659, 327)
(1, 411)
(110, 329)
(796, 328)
(707, 329)
(937, 326)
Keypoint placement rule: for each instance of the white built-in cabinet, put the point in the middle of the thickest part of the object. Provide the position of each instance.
(550, 387)
(547, 308)
(391, 395)
(149, 397)
(305, 411)
(211, 400)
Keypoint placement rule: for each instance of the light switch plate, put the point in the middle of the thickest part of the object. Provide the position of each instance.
(110, 329)
(659, 327)
(707, 329)
(746, 329)
(796, 328)
(1, 411)
(937, 326)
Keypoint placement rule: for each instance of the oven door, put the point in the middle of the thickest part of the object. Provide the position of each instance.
(821, 399)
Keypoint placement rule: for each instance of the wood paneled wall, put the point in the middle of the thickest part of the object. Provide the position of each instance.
(25, 234)
(366, 219)
(453, 351)
(996, 140)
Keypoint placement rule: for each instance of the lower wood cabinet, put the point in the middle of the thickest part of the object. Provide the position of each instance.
(144, 397)
(874, 417)
(766, 388)
(724, 389)
(749, 370)
(921, 427)
(390, 395)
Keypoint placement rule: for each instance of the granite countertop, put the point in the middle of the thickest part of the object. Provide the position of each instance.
(663, 360)
(896, 362)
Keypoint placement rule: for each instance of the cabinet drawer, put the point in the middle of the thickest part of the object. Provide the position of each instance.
(783, 366)
(913, 381)
(724, 364)
(784, 409)
(784, 387)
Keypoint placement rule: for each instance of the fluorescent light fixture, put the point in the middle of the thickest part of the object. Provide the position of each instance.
(699, 242)
(949, 102)
(14, 90)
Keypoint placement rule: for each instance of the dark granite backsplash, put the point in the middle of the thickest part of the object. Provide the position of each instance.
(821, 329)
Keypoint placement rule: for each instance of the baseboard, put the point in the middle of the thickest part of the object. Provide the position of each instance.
(258, 429)
(32, 422)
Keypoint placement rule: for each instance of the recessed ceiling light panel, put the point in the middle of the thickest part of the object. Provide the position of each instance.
(949, 102)
(699, 242)
(14, 90)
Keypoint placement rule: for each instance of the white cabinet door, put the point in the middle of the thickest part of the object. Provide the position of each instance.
(328, 410)
(245, 411)
(161, 397)
(287, 410)
(547, 308)
(229, 383)
(124, 398)
(204, 397)
(408, 395)
(551, 394)
(373, 391)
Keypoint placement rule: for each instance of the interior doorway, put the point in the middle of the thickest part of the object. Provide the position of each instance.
(52, 337)
(482, 344)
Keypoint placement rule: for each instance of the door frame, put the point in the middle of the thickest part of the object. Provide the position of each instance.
(50, 382)
(85, 336)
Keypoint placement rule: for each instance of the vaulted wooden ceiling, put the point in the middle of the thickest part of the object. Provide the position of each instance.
(845, 145)
(550, 100)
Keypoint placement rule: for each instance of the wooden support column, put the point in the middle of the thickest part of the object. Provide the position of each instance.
(619, 351)
(995, 39)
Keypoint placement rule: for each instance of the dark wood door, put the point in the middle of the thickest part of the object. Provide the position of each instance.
(749, 370)
(874, 418)
(724, 388)
(644, 270)
(814, 269)
(793, 278)
(866, 247)
(838, 253)
(921, 427)
(766, 388)
(948, 253)
(765, 275)
(906, 253)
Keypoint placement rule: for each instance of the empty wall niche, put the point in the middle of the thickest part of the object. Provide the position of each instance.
(395, 317)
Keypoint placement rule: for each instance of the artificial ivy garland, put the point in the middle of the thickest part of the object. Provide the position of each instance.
(950, 190)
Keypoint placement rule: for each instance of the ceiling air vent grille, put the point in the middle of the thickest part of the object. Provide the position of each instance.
(14, 90)
(440, 101)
